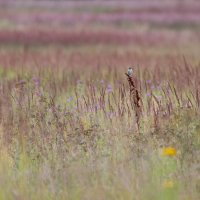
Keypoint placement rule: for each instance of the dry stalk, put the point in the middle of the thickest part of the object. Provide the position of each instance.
(135, 98)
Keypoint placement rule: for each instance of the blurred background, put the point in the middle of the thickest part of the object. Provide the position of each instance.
(68, 127)
(90, 22)
(116, 32)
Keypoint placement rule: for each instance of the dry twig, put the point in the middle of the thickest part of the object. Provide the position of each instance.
(135, 98)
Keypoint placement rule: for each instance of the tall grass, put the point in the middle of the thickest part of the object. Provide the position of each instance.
(67, 133)
(69, 119)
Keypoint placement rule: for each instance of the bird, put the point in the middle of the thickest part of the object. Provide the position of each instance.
(130, 71)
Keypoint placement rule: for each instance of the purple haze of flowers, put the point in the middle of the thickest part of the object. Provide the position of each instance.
(159, 87)
(148, 16)
(148, 81)
(102, 82)
(38, 93)
(97, 106)
(109, 89)
(160, 98)
(148, 94)
(70, 99)
(36, 81)
(74, 109)
(79, 82)
(111, 114)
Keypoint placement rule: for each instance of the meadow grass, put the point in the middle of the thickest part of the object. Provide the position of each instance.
(69, 132)
(69, 125)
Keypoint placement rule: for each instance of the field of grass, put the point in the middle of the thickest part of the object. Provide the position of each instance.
(68, 128)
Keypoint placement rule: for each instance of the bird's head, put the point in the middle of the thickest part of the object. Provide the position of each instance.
(131, 68)
(130, 71)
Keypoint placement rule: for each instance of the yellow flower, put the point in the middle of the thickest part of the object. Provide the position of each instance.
(168, 184)
(85, 123)
(169, 151)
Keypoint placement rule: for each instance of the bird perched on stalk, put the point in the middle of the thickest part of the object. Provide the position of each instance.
(135, 95)
(130, 71)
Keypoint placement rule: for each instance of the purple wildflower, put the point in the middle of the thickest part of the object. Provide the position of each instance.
(70, 99)
(148, 94)
(109, 89)
(159, 97)
(148, 81)
(102, 82)
(36, 81)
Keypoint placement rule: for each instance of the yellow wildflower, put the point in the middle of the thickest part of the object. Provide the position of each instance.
(85, 123)
(169, 151)
(168, 184)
